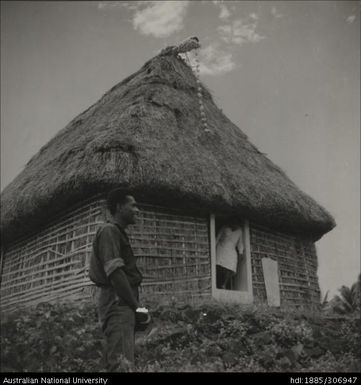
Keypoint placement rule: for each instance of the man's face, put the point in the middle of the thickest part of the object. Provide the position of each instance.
(128, 210)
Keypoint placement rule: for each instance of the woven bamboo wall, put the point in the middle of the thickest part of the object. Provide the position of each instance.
(52, 263)
(173, 252)
(297, 266)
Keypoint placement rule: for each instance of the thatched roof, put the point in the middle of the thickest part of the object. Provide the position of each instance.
(146, 133)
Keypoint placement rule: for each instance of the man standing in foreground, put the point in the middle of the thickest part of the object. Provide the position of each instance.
(113, 269)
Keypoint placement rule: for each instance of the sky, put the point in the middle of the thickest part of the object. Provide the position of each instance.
(287, 73)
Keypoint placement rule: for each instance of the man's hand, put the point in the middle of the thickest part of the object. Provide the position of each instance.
(122, 287)
(142, 310)
(142, 318)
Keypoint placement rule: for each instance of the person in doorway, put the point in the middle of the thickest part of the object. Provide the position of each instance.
(114, 271)
(229, 248)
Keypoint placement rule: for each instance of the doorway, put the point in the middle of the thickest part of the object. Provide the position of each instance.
(230, 236)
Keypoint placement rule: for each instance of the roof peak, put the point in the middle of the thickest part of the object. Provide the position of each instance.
(187, 45)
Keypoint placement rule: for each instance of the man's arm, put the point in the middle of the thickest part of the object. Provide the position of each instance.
(110, 254)
(240, 244)
(122, 287)
(220, 234)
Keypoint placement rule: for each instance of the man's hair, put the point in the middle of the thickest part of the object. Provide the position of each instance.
(114, 197)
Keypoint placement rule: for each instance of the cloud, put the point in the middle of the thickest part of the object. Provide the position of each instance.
(110, 5)
(157, 18)
(240, 32)
(224, 13)
(275, 12)
(103, 4)
(253, 16)
(213, 60)
(160, 19)
(351, 19)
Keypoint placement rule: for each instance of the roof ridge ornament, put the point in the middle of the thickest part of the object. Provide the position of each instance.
(187, 45)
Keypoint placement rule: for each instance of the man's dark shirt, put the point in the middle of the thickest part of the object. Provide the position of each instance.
(112, 250)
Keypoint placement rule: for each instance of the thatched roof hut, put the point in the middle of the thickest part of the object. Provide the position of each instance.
(146, 134)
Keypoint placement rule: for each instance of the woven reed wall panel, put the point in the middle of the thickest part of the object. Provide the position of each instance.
(173, 255)
(173, 252)
(51, 264)
(297, 266)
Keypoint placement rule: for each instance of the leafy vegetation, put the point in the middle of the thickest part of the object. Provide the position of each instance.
(349, 300)
(206, 337)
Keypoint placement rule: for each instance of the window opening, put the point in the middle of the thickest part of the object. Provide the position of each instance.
(231, 269)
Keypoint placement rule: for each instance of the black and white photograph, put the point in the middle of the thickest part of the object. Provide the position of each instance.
(180, 189)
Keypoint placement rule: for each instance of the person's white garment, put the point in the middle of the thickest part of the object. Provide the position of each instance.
(228, 242)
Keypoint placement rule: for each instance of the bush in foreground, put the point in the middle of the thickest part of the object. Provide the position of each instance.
(208, 337)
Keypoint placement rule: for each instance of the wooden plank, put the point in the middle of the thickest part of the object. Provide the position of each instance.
(270, 273)
(212, 236)
(247, 250)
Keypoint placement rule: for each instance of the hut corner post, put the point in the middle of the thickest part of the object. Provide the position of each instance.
(247, 248)
(213, 253)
